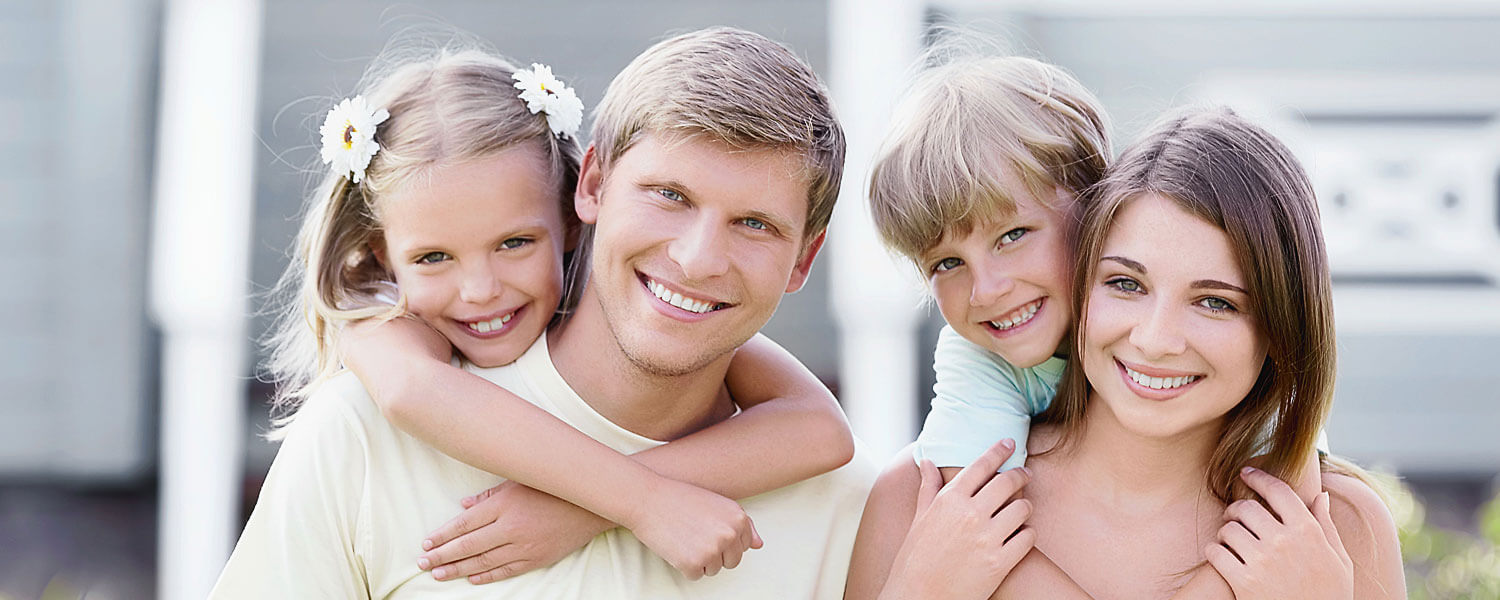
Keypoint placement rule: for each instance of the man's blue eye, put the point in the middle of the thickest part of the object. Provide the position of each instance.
(947, 264)
(756, 224)
(670, 195)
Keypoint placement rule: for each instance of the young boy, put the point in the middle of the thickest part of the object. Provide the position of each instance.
(975, 184)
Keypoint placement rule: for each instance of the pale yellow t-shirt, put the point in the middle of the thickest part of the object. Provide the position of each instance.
(350, 497)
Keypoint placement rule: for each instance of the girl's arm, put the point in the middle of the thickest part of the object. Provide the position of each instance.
(404, 366)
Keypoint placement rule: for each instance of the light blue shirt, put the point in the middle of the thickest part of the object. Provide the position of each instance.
(980, 399)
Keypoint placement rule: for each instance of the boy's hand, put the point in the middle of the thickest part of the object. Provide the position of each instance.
(505, 531)
(1294, 552)
(968, 535)
(697, 531)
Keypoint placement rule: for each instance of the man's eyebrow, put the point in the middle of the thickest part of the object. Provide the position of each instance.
(1130, 264)
(1214, 284)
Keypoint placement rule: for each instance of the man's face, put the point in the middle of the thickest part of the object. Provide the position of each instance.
(695, 244)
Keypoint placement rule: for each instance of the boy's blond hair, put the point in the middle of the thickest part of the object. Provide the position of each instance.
(733, 86)
(967, 128)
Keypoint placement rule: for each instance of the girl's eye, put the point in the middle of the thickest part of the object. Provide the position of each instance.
(670, 194)
(947, 264)
(1217, 304)
(1013, 235)
(756, 224)
(432, 258)
(513, 243)
(1124, 284)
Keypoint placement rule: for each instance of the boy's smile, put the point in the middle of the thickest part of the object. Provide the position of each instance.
(1004, 285)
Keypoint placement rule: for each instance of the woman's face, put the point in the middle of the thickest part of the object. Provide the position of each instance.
(1170, 345)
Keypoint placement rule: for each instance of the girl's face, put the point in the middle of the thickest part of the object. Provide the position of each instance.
(1006, 284)
(1170, 346)
(477, 250)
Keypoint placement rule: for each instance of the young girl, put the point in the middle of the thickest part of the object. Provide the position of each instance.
(449, 211)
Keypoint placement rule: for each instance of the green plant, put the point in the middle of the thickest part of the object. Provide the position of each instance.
(1443, 564)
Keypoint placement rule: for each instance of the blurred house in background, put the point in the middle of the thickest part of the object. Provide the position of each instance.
(1394, 107)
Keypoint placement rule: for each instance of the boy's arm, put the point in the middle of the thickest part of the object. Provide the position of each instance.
(977, 400)
(790, 429)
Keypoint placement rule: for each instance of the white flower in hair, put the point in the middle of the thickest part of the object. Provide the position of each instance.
(349, 137)
(544, 93)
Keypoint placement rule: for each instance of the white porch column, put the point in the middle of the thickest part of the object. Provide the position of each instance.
(872, 43)
(199, 276)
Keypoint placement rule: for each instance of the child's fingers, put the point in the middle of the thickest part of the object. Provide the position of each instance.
(1320, 510)
(1253, 516)
(1277, 493)
(1001, 488)
(501, 558)
(932, 481)
(470, 520)
(505, 571)
(755, 541)
(972, 477)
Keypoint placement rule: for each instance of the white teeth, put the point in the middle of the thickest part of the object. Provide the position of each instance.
(677, 299)
(1159, 383)
(1019, 317)
(492, 324)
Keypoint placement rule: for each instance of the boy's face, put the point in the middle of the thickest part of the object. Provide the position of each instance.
(695, 244)
(1005, 285)
(477, 251)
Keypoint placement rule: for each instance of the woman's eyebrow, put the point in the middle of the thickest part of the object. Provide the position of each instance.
(1130, 264)
(1214, 284)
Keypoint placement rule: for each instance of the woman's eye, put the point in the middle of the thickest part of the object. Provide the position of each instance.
(1217, 304)
(1013, 235)
(947, 264)
(1124, 284)
(515, 242)
(670, 194)
(432, 257)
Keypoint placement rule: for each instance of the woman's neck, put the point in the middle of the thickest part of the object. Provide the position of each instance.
(1136, 472)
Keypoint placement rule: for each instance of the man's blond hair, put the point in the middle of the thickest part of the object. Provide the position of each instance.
(733, 86)
(968, 127)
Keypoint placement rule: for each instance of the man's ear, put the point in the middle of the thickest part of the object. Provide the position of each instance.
(804, 264)
(590, 185)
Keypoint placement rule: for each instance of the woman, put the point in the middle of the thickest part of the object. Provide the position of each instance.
(1205, 339)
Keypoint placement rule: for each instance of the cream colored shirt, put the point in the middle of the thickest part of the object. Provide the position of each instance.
(350, 497)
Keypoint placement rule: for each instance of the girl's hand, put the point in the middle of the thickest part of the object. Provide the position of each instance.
(696, 531)
(968, 535)
(505, 531)
(1294, 553)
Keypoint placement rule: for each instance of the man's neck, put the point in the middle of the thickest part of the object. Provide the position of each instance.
(585, 353)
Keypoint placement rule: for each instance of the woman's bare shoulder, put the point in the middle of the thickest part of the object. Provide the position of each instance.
(1368, 532)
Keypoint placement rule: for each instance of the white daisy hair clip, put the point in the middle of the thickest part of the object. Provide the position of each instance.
(349, 137)
(544, 93)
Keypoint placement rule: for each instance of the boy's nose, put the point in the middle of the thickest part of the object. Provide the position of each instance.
(988, 287)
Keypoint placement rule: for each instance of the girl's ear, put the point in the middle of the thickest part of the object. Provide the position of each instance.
(590, 184)
(377, 248)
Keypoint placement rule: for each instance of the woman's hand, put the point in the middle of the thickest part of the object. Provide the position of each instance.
(512, 529)
(968, 535)
(1294, 553)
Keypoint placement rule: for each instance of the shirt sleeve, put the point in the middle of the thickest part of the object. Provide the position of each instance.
(976, 402)
(300, 540)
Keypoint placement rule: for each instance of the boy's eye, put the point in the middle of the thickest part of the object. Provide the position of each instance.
(1013, 235)
(670, 194)
(1217, 304)
(947, 264)
(1124, 284)
(515, 242)
(432, 258)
